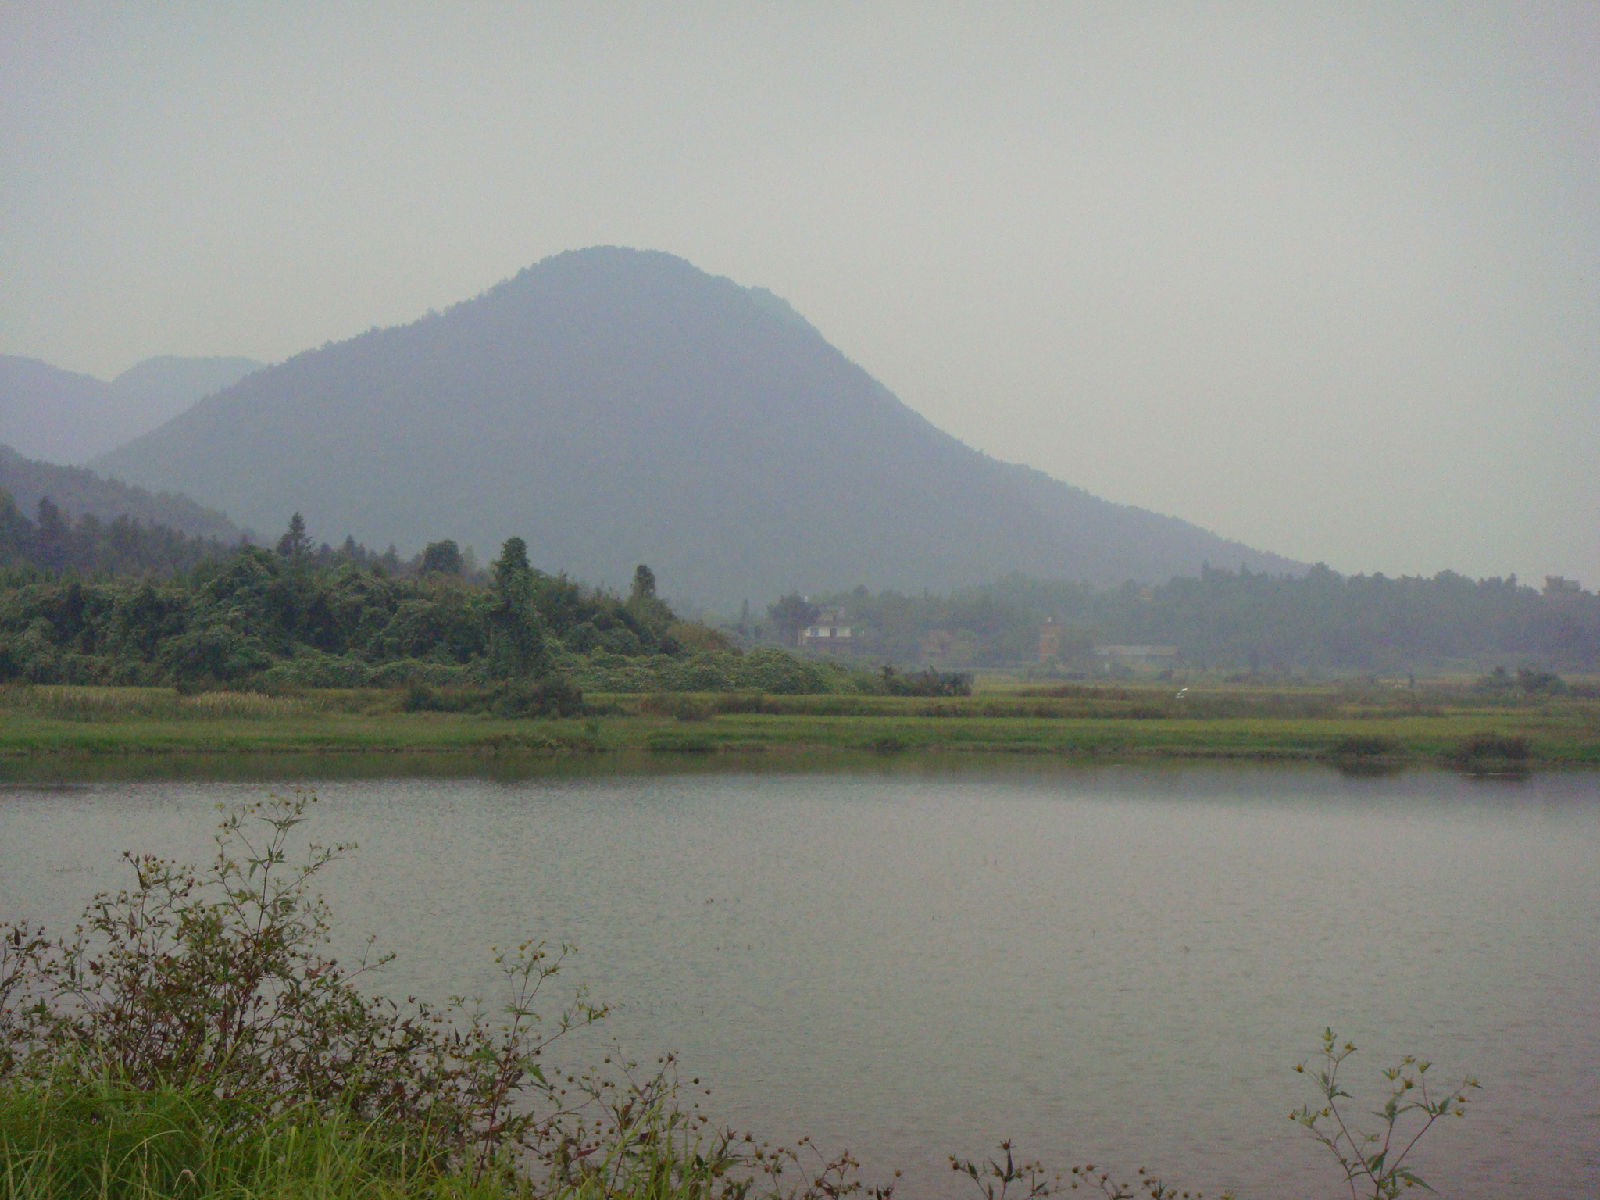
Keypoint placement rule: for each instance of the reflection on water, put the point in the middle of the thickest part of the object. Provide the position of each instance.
(911, 959)
(285, 768)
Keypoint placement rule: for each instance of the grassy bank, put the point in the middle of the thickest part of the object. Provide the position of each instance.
(1373, 726)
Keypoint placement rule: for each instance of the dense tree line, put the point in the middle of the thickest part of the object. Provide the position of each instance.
(1243, 621)
(123, 602)
(149, 606)
(299, 614)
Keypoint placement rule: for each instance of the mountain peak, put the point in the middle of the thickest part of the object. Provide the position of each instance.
(616, 406)
(64, 417)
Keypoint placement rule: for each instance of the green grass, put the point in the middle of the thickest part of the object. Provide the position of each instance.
(111, 1143)
(66, 729)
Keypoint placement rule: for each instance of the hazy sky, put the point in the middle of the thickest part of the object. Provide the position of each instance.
(1321, 277)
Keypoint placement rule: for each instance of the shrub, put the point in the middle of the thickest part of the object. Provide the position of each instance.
(1358, 746)
(216, 981)
(1530, 681)
(550, 696)
(1488, 749)
(419, 697)
(925, 683)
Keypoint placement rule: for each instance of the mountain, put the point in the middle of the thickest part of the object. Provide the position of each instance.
(79, 491)
(617, 406)
(44, 410)
(61, 416)
(158, 389)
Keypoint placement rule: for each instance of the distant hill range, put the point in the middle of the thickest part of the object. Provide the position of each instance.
(617, 406)
(63, 417)
(78, 492)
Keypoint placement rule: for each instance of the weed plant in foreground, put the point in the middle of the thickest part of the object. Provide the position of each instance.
(1374, 1160)
(191, 1038)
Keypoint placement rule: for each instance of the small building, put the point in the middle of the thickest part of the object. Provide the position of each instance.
(1560, 585)
(813, 635)
(830, 634)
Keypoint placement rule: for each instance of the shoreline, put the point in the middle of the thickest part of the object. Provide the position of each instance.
(66, 733)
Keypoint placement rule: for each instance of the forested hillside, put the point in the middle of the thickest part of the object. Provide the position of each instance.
(54, 543)
(617, 406)
(79, 491)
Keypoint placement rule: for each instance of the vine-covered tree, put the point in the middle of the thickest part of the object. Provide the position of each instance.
(516, 634)
(644, 584)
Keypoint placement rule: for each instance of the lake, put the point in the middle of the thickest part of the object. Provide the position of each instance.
(1117, 965)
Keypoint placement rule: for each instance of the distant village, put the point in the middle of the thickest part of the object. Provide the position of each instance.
(1240, 620)
(833, 634)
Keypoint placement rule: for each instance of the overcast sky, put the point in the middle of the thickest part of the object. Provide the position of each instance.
(1321, 277)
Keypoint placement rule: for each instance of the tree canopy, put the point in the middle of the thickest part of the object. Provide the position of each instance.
(249, 616)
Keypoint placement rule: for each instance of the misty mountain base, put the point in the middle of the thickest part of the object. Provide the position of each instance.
(193, 1038)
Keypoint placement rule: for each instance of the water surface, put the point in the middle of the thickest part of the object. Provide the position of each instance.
(1119, 965)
